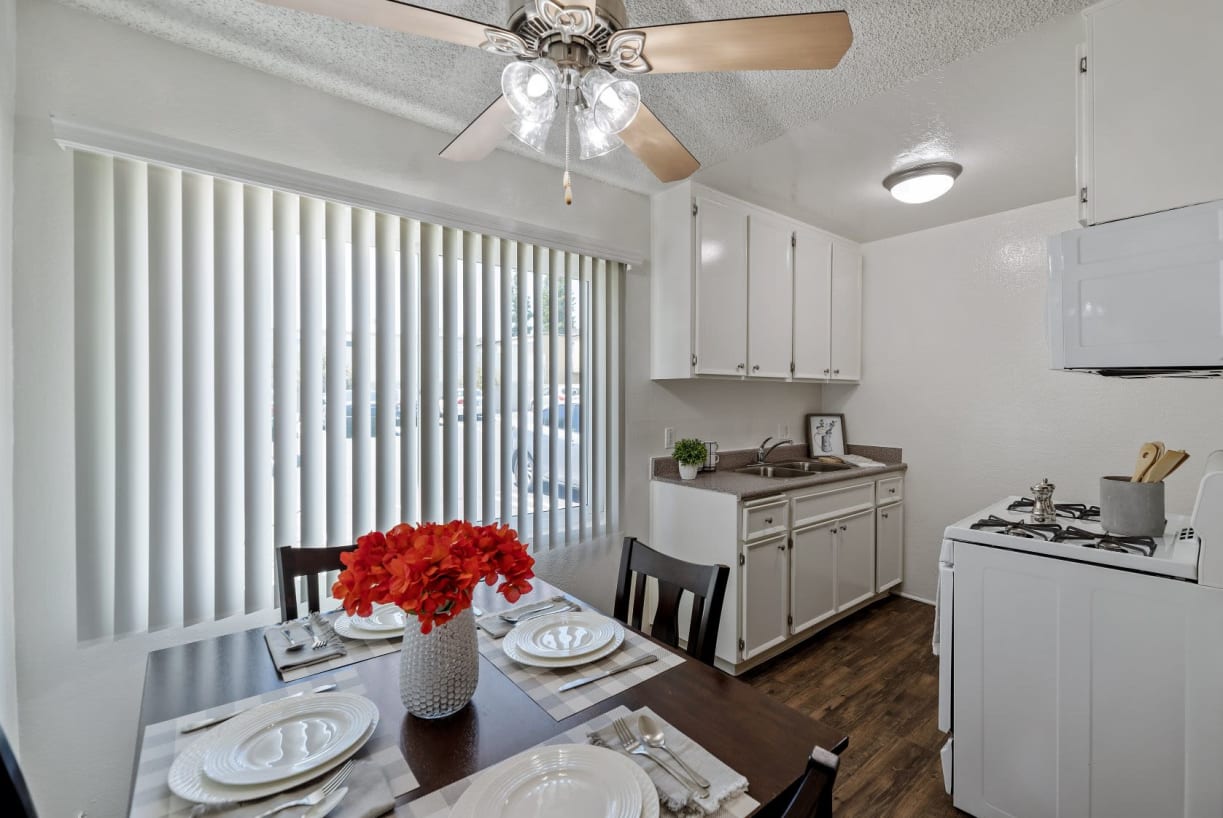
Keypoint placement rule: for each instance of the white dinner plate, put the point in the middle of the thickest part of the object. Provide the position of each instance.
(383, 618)
(561, 781)
(187, 779)
(287, 737)
(564, 635)
(343, 625)
(510, 645)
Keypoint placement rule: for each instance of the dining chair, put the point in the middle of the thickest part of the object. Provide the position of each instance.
(813, 798)
(706, 583)
(294, 562)
(13, 790)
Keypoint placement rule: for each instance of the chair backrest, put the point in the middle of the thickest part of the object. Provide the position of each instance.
(305, 562)
(706, 583)
(813, 798)
(13, 790)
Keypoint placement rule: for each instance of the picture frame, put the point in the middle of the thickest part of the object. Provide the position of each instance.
(826, 435)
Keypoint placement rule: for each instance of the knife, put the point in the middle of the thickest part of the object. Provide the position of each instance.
(528, 610)
(202, 723)
(644, 660)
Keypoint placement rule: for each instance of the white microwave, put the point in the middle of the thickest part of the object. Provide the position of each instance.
(1140, 297)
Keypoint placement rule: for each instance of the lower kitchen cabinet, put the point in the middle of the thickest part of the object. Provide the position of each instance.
(765, 575)
(889, 546)
(799, 560)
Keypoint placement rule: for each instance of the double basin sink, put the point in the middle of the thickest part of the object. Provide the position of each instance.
(793, 468)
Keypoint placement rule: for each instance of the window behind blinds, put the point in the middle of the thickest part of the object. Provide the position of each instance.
(257, 368)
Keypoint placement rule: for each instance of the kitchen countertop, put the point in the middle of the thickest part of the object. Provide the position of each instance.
(750, 486)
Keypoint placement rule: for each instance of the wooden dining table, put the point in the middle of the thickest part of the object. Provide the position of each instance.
(765, 740)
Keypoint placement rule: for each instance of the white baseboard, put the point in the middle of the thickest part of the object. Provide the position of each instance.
(914, 597)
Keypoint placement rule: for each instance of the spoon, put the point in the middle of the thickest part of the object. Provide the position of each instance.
(293, 645)
(653, 736)
(202, 723)
(328, 804)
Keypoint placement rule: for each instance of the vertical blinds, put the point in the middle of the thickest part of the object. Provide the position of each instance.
(256, 368)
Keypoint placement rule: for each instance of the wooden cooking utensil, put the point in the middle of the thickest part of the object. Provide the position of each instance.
(1170, 462)
(1147, 455)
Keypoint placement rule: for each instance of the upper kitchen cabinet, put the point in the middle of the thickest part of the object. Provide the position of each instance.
(1150, 127)
(738, 291)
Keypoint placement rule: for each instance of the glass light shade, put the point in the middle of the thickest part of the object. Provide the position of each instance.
(594, 142)
(922, 184)
(531, 134)
(614, 102)
(531, 88)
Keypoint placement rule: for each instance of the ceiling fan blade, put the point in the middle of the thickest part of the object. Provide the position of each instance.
(483, 134)
(658, 148)
(397, 16)
(786, 41)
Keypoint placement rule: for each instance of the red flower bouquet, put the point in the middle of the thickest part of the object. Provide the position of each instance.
(431, 570)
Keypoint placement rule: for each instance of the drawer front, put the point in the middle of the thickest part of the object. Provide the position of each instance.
(891, 489)
(834, 502)
(765, 519)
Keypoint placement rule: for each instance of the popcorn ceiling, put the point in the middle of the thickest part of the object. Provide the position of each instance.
(716, 115)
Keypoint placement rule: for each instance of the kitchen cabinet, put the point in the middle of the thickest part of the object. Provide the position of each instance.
(800, 560)
(770, 297)
(737, 291)
(765, 577)
(1149, 121)
(720, 345)
(889, 546)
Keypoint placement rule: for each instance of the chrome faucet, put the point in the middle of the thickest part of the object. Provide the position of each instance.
(762, 453)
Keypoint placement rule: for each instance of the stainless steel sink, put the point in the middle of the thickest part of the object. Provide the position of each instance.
(778, 472)
(814, 466)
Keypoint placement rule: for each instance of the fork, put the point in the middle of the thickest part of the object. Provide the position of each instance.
(318, 642)
(317, 796)
(633, 746)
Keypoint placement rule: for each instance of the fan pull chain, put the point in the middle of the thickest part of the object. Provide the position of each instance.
(567, 182)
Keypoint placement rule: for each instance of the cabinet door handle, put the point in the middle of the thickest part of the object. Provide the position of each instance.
(891, 491)
(884, 515)
(768, 520)
(825, 371)
(756, 368)
(740, 366)
(781, 547)
(844, 528)
(836, 372)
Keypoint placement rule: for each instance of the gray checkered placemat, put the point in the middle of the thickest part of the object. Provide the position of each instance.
(358, 651)
(438, 803)
(162, 743)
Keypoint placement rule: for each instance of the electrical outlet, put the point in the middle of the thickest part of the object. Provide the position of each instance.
(668, 438)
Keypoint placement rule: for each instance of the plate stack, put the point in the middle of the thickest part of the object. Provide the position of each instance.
(273, 747)
(561, 781)
(565, 639)
(385, 622)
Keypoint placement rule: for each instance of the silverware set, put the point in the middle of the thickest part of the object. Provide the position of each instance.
(552, 606)
(294, 645)
(633, 744)
(316, 797)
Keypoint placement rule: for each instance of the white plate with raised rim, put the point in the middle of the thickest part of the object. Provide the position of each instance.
(384, 617)
(565, 635)
(343, 625)
(287, 737)
(512, 649)
(561, 781)
(187, 779)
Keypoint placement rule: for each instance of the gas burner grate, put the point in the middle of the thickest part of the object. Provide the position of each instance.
(1014, 528)
(1071, 511)
(1052, 532)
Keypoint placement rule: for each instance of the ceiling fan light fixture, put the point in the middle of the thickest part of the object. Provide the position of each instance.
(613, 102)
(593, 140)
(531, 88)
(530, 133)
(923, 183)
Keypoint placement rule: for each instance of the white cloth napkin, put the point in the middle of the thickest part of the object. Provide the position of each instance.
(724, 782)
(287, 660)
(369, 796)
(496, 627)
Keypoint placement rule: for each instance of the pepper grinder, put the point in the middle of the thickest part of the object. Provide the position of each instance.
(1043, 510)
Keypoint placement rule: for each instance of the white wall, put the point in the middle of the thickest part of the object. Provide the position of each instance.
(8, 89)
(955, 371)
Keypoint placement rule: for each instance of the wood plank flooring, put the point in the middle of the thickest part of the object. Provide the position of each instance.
(873, 676)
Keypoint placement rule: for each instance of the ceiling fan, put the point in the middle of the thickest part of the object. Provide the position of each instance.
(571, 57)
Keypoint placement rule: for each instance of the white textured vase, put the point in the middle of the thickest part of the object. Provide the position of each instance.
(438, 670)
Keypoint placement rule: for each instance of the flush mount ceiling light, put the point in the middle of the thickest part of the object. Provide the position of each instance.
(923, 183)
(566, 53)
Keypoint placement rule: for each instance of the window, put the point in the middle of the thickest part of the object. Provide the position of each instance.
(258, 368)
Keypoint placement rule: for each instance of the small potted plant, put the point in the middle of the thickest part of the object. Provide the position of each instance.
(690, 454)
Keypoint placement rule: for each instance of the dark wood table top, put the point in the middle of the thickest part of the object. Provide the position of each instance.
(765, 740)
